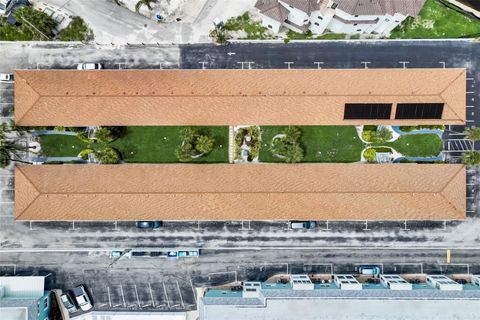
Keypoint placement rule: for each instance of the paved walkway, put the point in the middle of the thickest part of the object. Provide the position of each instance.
(49, 132)
(231, 144)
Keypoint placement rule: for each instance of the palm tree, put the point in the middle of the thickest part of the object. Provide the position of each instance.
(472, 133)
(9, 150)
(471, 158)
(147, 3)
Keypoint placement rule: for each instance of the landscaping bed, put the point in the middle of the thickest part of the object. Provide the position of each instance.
(320, 143)
(437, 21)
(141, 145)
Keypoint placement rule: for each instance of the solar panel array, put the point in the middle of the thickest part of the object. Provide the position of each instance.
(419, 111)
(367, 111)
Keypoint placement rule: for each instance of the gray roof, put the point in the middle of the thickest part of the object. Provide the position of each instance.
(305, 5)
(380, 7)
(272, 9)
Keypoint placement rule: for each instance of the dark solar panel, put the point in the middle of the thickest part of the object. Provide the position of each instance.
(367, 111)
(419, 111)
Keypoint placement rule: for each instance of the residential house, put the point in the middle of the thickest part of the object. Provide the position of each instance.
(337, 16)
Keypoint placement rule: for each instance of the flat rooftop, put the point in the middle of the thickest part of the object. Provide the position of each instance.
(241, 192)
(233, 97)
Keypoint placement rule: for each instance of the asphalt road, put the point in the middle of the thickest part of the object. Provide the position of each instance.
(169, 284)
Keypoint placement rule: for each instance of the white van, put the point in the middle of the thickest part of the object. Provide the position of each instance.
(303, 224)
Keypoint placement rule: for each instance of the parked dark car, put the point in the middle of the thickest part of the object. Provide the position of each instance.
(148, 224)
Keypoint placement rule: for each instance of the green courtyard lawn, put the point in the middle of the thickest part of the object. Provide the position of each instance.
(437, 21)
(60, 145)
(417, 145)
(158, 144)
(320, 143)
(140, 145)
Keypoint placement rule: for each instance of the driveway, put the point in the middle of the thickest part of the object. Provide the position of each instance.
(114, 24)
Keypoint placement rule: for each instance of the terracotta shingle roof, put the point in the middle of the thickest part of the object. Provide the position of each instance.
(272, 9)
(241, 192)
(228, 97)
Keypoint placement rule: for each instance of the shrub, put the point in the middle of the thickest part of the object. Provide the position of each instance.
(83, 135)
(370, 155)
(376, 136)
(289, 147)
(59, 128)
(84, 153)
(77, 30)
(104, 135)
(193, 144)
(471, 158)
(204, 144)
(107, 156)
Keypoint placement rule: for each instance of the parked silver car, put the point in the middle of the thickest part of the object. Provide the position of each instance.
(68, 303)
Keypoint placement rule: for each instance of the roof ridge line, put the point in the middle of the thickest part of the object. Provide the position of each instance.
(235, 192)
(34, 199)
(26, 177)
(19, 75)
(451, 179)
(447, 87)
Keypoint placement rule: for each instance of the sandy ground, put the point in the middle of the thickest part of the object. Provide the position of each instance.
(114, 24)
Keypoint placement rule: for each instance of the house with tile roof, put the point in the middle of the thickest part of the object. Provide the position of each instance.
(337, 16)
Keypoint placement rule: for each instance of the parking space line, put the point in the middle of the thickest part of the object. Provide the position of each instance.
(136, 293)
(318, 64)
(454, 264)
(109, 299)
(180, 293)
(123, 296)
(193, 290)
(410, 264)
(151, 294)
(203, 64)
(166, 295)
(288, 63)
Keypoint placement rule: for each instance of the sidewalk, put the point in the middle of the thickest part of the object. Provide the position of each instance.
(114, 24)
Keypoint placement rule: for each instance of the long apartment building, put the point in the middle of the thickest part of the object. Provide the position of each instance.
(345, 297)
(233, 192)
(338, 16)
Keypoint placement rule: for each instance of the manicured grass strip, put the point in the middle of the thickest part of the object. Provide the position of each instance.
(59, 145)
(140, 145)
(158, 144)
(418, 145)
(321, 143)
(437, 21)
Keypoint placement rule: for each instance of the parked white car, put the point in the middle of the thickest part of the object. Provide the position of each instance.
(89, 66)
(82, 298)
(62, 16)
(6, 77)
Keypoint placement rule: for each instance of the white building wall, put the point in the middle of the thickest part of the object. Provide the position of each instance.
(319, 22)
(296, 16)
(271, 24)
